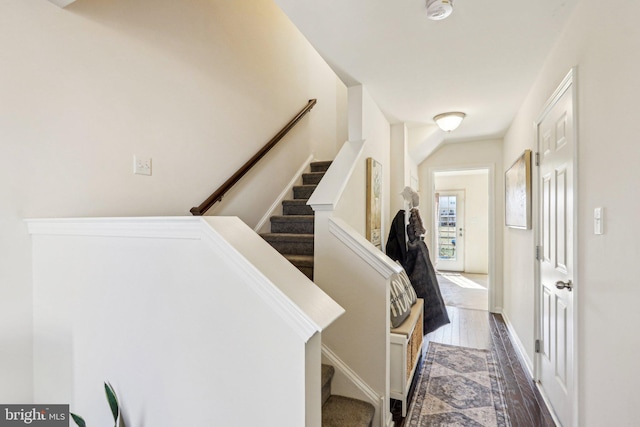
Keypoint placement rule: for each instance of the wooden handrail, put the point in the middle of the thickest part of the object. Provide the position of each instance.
(220, 192)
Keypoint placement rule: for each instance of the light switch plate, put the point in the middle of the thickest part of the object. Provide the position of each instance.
(598, 221)
(141, 165)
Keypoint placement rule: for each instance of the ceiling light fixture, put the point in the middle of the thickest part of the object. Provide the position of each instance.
(439, 9)
(449, 121)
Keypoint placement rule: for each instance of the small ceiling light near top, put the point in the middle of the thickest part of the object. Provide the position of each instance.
(439, 9)
(449, 121)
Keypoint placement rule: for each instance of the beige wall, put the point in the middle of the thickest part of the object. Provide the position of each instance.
(604, 47)
(197, 85)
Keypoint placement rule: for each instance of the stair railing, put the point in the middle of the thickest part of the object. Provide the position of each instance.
(229, 183)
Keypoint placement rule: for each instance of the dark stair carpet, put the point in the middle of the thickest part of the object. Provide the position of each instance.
(341, 411)
(292, 232)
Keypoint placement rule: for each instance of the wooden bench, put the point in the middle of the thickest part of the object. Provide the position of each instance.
(405, 350)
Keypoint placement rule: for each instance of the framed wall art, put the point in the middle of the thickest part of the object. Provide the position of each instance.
(517, 203)
(374, 202)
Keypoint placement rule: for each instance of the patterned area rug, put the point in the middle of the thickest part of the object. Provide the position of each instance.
(458, 386)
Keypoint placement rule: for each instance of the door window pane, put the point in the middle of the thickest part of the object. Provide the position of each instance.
(447, 227)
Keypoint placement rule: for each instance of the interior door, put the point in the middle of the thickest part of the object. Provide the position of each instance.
(555, 356)
(450, 230)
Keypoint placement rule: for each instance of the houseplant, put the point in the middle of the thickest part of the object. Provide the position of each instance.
(113, 404)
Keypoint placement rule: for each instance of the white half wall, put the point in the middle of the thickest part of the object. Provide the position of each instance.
(188, 318)
(606, 287)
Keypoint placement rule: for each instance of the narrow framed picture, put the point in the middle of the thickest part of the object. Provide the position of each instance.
(374, 202)
(517, 202)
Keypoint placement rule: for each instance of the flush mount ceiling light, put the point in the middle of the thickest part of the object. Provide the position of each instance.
(439, 9)
(449, 121)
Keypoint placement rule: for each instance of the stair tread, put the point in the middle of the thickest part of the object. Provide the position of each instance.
(293, 218)
(303, 192)
(287, 236)
(295, 201)
(340, 411)
(322, 162)
(300, 260)
(310, 178)
(320, 166)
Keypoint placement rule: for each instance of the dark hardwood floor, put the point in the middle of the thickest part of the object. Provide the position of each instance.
(481, 329)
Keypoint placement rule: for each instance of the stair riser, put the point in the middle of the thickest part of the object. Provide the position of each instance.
(294, 209)
(300, 192)
(292, 247)
(311, 178)
(320, 166)
(327, 375)
(326, 392)
(302, 227)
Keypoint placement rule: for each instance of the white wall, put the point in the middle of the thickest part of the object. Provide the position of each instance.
(197, 85)
(366, 122)
(400, 169)
(604, 49)
(469, 155)
(476, 216)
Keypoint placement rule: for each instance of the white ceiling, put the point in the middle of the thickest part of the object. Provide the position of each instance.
(482, 60)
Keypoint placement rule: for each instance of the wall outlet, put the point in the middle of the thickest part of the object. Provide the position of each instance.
(141, 165)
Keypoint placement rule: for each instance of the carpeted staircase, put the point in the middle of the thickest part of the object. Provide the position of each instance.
(292, 232)
(292, 235)
(340, 411)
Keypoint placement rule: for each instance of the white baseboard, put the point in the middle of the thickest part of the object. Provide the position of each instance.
(518, 344)
(259, 228)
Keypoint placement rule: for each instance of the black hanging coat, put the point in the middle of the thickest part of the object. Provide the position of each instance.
(423, 278)
(396, 248)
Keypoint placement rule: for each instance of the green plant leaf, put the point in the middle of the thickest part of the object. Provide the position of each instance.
(113, 400)
(78, 420)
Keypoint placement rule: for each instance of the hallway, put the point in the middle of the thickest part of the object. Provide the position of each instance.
(477, 328)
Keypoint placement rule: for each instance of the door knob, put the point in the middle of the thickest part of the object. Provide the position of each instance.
(564, 285)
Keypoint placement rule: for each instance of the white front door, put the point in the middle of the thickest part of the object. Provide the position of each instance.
(450, 230)
(556, 139)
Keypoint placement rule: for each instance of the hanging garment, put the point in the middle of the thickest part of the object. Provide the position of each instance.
(396, 247)
(415, 223)
(423, 276)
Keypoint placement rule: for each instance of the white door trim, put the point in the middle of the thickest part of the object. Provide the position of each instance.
(568, 83)
(492, 283)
